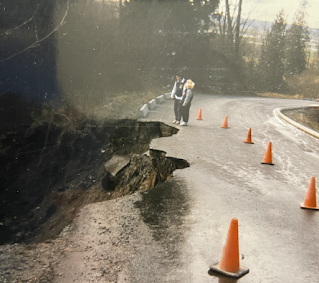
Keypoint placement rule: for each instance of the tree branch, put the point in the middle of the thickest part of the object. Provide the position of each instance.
(40, 40)
(36, 31)
(17, 27)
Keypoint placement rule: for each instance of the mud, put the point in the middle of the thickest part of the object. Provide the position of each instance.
(55, 165)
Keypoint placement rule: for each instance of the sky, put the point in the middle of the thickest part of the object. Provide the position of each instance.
(266, 10)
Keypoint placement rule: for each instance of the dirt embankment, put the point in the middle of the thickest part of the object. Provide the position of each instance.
(59, 163)
(56, 166)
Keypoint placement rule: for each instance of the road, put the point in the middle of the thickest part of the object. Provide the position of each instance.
(278, 240)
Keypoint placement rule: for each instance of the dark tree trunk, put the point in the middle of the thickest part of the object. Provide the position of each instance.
(237, 40)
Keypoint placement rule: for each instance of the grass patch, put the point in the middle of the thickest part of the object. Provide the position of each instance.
(279, 95)
(306, 85)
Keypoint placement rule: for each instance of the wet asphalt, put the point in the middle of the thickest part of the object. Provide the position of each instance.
(188, 216)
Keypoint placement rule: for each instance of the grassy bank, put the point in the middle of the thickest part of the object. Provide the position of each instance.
(124, 105)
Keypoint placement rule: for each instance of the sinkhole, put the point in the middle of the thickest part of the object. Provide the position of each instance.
(65, 160)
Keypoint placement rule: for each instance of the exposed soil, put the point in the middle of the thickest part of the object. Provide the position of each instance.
(307, 116)
(55, 162)
(55, 167)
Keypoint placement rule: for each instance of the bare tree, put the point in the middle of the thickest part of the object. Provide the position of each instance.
(37, 40)
(229, 23)
(21, 25)
(229, 27)
(237, 39)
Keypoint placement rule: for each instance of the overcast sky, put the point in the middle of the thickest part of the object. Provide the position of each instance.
(266, 10)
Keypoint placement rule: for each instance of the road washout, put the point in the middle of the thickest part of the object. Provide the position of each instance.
(56, 165)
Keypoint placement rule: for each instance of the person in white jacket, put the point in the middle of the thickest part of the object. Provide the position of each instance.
(186, 102)
(177, 94)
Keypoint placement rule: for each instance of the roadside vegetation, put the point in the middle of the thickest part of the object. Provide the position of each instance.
(131, 47)
(221, 51)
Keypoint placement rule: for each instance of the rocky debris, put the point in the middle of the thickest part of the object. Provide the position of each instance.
(116, 163)
(143, 172)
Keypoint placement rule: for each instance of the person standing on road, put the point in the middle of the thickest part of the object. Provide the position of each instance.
(186, 101)
(177, 94)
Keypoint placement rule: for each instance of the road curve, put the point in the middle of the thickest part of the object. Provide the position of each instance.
(278, 240)
(296, 124)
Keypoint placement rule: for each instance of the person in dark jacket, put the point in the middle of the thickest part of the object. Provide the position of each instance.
(186, 101)
(177, 95)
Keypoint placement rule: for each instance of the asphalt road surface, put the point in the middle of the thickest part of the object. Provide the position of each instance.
(278, 241)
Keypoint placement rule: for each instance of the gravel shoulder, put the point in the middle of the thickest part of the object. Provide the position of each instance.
(95, 247)
(99, 242)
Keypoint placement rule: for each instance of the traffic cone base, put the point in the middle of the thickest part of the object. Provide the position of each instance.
(241, 272)
(248, 142)
(267, 163)
(302, 205)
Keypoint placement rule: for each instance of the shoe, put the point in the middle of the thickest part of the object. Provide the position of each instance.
(183, 124)
(177, 123)
(174, 122)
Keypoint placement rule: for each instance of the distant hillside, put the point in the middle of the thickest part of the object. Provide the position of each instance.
(264, 25)
(260, 27)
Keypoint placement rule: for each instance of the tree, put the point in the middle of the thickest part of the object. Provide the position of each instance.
(164, 37)
(228, 29)
(237, 38)
(271, 64)
(316, 55)
(297, 39)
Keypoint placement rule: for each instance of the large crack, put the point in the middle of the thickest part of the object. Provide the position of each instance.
(57, 165)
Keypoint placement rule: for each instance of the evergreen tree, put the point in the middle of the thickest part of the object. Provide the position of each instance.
(317, 54)
(271, 64)
(297, 39)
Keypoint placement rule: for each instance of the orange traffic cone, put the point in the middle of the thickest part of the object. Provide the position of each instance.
(199, 116)
(268, 156)
(225, 124)
(248, 138)
(310, 199)
(229, 262)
